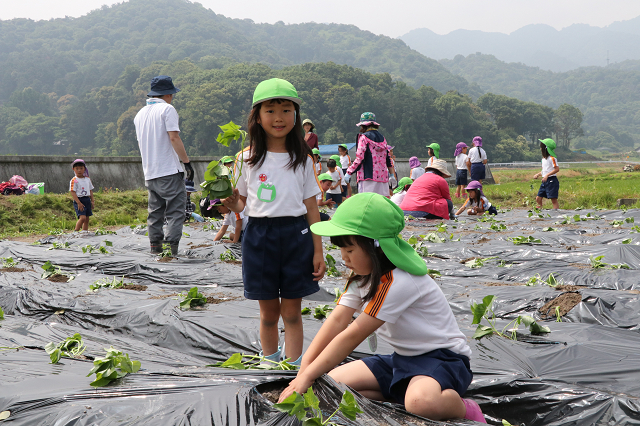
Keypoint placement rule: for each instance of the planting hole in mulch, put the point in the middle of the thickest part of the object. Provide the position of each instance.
(234, 262)
(500, 284)
(58, 278)
(567, 287)
(469, 259)
(165, 259)
(136, 287)
(13, 269)
(200, 246)
(482, 240)
(272, 390)
(216, 300)
(566, 302)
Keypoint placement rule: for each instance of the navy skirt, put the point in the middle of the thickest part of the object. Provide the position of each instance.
(477, 171)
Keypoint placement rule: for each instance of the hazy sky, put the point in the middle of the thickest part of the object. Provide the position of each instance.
(390, 17)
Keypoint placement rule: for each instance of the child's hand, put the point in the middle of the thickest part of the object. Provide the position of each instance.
(231, 200)
(80, 206)
(299, 384)
(331, 203)
(544, 178)
(319, 267)
(536, 176)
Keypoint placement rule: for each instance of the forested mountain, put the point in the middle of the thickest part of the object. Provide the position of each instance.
(538, 45)
(75, 55)
(608, 97)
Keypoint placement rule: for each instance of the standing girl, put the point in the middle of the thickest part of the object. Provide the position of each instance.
(390, 287)
(434, 153)
(310, 137)
(345, 162)
(316, 160)
(550, 186)
(477, 160)
(282, 261)
(461, 168)
(373, 163)
(415, 171)
(81, 190)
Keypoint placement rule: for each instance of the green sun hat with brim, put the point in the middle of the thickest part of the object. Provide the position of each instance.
(275, 88)
(316, 151)
(551, 146)
(344, 145)
(227, 159)
(335, 157)
(374, 216)
(403, 182)
(436, 149)
(325, 176)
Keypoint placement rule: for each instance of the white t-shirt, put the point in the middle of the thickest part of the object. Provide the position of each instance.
(548, 164)
(484, 203)
(476, 157)
(274, 189)
(431, 160)
(152, 124)
(337, 177)
(417, 316)
(399, 197)
(82, 186)
(416, 173)
(232, 218)
(318, 167)
(461, 161)
(345, 161)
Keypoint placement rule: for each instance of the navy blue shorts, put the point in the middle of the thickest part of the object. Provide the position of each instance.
(461, 177)
(337, 198)
(86, 202)
(477, 171)
(550, 188)
(277, 258)
(394, 372)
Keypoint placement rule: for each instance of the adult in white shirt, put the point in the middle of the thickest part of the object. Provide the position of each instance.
(162, 150)
(477, 160)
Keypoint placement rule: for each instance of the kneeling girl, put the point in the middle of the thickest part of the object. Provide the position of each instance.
(390, 287)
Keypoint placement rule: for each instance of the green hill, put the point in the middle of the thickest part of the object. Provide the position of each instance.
(608, 97)
(76, 55)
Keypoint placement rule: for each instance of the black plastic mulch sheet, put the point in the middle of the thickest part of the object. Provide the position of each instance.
(586, 371)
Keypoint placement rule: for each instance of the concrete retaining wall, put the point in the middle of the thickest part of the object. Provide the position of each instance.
(123, 173)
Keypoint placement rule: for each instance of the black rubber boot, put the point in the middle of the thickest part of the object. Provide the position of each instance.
(174, 249)
(156, 247)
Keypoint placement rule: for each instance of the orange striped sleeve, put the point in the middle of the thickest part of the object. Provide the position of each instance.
(73, 183)
(238, 216)
(373, 308)
(555, 163)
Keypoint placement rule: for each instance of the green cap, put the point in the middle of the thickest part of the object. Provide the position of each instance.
(403, 182)
(325, 176)
(344, 145)
(551, 146)
(436, 149)
(275, 88)
(227, 159)
(336, 157)
(374, 216)
(315, 151)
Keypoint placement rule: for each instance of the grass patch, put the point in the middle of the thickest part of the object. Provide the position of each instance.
(584, 188)
(40, 214)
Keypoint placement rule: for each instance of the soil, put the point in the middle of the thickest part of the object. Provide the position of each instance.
(566, 302)
(566, 287)
(581, 265)
(58, 278)
(165, 259)
(234, 262)
(136, 287)
(13, 269)
(164, 296)
(200, 246)
(500, 284)
(272, 390)
(482, 240)
(469, 259)
(215, 300)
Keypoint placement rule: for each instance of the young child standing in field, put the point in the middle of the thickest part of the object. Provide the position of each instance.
(550, 186)
(434, 153)
(316, 160)
(373, 164)
(282, 260)
(477, 160)
(335, 191)
(81, 190)
(345, 162)
(391, 289)
(478, 204)
(461, 168)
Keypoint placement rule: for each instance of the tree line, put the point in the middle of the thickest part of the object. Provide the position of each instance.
(101, 121)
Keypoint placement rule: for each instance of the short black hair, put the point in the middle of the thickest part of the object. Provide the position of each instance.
(331, 162)
(381, 265)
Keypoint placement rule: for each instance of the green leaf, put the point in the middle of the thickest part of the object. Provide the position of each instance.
(293, 405)
(1, 314)
(306, 311)
(480, 309)
(505, 423)
(103, 381)
(534, 327)
(349, 406)
(311, 400)
(314, 421)
(627, 241)
(213, 171)
(481, 331)
(230, 131)
(412, 240)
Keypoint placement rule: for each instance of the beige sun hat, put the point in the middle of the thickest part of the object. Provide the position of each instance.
(441, 166)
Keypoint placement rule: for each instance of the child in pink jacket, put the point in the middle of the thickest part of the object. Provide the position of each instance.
(372, 163)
